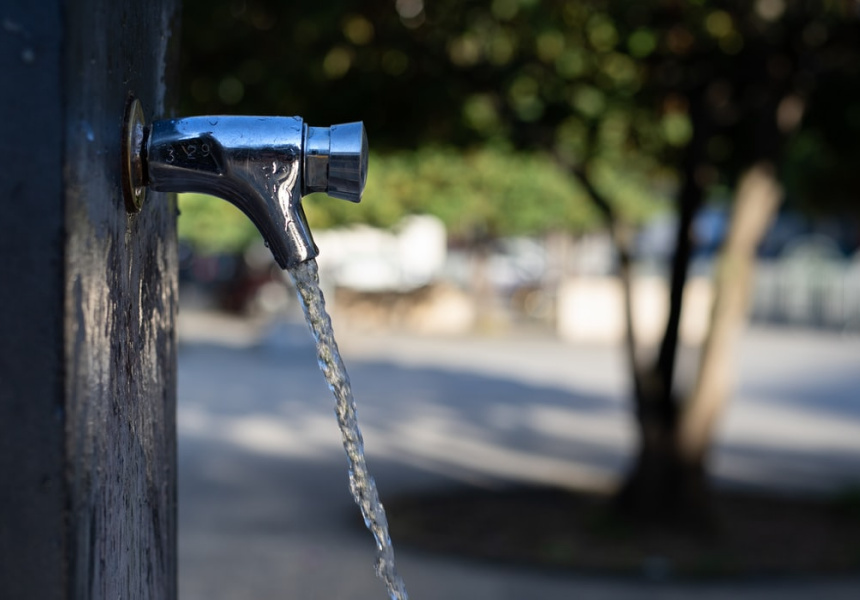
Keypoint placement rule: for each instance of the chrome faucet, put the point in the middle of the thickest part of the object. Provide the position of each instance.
(263, 165)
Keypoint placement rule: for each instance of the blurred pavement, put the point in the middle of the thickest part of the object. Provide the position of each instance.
(265, 512)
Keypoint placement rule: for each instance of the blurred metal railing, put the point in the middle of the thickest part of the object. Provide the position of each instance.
(811, 284)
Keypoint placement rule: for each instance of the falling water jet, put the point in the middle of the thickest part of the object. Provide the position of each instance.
(306, 279)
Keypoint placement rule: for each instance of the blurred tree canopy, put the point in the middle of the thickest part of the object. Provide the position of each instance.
(605, 88)
(497, 96)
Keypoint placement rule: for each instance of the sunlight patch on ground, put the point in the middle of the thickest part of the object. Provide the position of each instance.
(307, 436)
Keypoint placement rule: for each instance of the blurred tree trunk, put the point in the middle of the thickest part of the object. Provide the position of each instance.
(668, 482)
(660, 486)
(622, 238)
(756, 202)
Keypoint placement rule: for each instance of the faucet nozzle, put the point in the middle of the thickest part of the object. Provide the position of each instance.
(263, 165)
(336, 160)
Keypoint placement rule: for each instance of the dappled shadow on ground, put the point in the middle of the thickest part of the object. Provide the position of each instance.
(479, 427)
(459, 425)
(261, 462)
(750, 535)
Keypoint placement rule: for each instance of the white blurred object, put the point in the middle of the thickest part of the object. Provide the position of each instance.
(591, 309)
(373, 260)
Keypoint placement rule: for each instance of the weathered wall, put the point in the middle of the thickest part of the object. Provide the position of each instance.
(32, 499)
(87, 308)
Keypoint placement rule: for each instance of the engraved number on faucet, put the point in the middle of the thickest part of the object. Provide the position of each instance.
(188, 151)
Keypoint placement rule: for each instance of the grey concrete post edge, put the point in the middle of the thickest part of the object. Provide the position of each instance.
(88, 299)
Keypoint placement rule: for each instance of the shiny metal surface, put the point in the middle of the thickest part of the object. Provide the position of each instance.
(336, 160)
(263, 165)
(133, 189)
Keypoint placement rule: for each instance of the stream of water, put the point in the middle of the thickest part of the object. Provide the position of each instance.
(361, 484)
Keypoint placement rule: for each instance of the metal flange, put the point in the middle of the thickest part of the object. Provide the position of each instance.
(133, 132)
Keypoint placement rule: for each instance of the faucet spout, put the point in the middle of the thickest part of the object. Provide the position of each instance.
(263, 165)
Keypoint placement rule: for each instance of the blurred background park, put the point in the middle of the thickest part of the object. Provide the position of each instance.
(600, 303)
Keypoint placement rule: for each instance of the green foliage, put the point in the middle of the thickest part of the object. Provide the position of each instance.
(455, 74)
(484, 192)
(480, 192)
(212, 225)
(477, 193)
